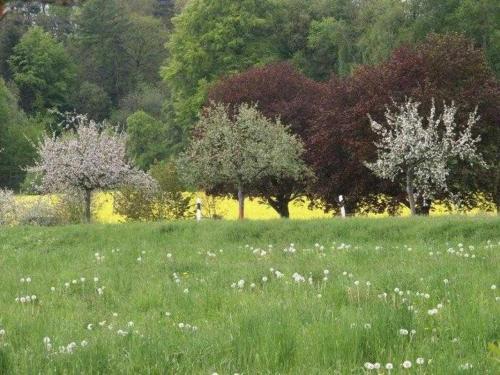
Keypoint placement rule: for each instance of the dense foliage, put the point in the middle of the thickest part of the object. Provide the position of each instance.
(151, 66)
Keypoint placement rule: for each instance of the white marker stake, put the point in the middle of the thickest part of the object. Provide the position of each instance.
(198, 209)
(342, 207)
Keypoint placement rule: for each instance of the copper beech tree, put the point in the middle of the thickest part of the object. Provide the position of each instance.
(90, 158)
(233, 153)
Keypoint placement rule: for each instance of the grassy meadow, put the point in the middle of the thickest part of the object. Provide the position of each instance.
(256, 297)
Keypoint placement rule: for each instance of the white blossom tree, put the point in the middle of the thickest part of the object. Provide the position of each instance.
(240, 153)
(419, 154)
(87, 159)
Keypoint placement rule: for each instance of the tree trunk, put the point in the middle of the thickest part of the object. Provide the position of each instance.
(241, 204)
(280, 205)
(409, 191)
(423, 210)
(87, 201)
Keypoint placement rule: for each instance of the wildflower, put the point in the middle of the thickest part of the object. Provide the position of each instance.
(432, 312)
(368, 326)
(369, 366)
(465, 366)
(356, 283)
(52, 289)
(82, 279)
(84, 343)
(264, 279)
(71, 347)
(186, 291)
(169, 255)
(181, 325)
(389, 366)
(2, 332)
(121, 332)
(96, 279)
(420, 361)
(115, 314)
(130, 324)
(319, 295)
(446, 281)
(298, 278)
(90, 326)
(406, 364)
(167, 313)
(326, 272)
(241, 284)
(22, 280)
(368, 284)
(28, 279)
(376, 365)
(66, 285)
(74, 281)
(403, 332)
(252, 285)
(493, 287)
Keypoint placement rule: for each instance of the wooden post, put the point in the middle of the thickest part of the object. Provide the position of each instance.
(198, 209)
(342, 206)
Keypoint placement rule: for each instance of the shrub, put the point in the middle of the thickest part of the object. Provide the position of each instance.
(40, 212)
(166, 203)
(8, 207)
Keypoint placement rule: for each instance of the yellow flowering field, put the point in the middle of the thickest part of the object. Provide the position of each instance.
(228, 209)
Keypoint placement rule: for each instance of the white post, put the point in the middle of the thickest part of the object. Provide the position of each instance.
(342, 206)
(198, 209)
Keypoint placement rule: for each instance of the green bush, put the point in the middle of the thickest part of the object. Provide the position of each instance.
(167, 203)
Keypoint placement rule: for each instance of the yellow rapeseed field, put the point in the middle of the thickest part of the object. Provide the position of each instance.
(228, 209)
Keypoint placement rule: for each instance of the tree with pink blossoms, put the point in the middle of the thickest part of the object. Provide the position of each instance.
(87, 159)
(421, 155)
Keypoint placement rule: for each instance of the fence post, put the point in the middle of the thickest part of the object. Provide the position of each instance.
(198, 209)
(342, 206)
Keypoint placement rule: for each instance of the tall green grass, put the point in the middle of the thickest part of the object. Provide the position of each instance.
(279, 326)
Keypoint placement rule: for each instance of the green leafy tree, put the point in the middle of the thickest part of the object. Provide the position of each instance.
(146, 141)
(237, 154)
(100, 41)
(120, 48)
(16, 136)
(43, 71)
(92, 100)
(211, 39)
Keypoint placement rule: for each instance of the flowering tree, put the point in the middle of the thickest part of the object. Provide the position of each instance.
(85, 160)
(234, 154)
(418, 154)
(279, 91)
